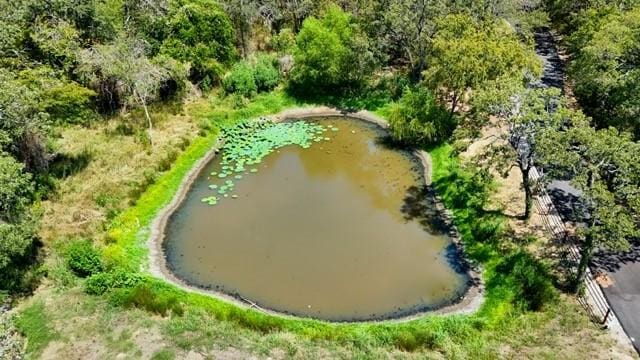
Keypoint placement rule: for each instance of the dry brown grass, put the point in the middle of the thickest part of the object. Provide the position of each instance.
(120, 167)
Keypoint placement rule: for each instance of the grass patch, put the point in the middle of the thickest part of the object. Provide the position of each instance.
(35, 324)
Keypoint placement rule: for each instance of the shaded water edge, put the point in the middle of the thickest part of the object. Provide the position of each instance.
(467, 300)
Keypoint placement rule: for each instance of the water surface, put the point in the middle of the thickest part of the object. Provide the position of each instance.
(339, 231)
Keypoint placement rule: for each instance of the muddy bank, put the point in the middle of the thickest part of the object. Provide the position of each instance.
(158, 264)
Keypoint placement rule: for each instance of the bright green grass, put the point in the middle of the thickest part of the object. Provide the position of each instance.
(34, 323)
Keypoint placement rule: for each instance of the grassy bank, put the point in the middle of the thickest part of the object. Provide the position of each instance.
(145, 316)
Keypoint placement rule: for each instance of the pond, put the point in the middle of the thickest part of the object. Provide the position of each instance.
(342, 229)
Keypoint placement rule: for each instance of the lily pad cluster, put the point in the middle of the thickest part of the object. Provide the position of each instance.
(247, 143)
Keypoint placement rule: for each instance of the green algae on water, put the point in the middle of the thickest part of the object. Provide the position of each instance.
(248, 142)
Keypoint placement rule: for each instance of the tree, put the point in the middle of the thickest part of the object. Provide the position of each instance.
(199, 32)
(524, 115)
(606, 68)
(406, 31)
(16, 189)
(17, 223)
(24, 126)
(123, 68)
(603, 165)
(331, 54)
(243, 14)
(418, 119)
(466, 55)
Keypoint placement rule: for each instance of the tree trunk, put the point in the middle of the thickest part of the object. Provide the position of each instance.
(585, 257)
(587, 248)
(146, 114)
(528, 194)
(454, 104)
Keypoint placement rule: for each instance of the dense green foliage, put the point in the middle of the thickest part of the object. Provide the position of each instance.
(83, 259)
(241, 80)
(18, 225)
(417, 119)
(265, 73)
(467, 54)
(70, 62)
(606, 67)
(199, 33)
(247, 78)
(332, 54)
(603, 164)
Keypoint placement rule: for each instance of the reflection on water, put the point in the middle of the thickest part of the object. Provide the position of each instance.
(340, 231)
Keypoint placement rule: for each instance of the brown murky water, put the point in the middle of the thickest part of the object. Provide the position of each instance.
(339, 231)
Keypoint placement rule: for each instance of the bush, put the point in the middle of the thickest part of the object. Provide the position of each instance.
(417, 119)
(146, 296)
(240, 80)
(284, 42)
(528, 279)
(332, 54)
(266, 73)
(100, 283)
(201, 34)
(83, 258)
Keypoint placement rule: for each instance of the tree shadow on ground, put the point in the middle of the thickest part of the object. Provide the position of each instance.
(23, 274)
(65, 165)
(611, 261)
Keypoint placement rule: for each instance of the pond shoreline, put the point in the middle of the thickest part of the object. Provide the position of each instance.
(468, 303)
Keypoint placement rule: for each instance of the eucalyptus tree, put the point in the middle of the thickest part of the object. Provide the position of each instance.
(603, 165)
(243, 14)
(407, 29)
(122, 68)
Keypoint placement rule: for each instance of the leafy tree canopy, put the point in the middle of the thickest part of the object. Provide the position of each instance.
(467, 54)
(331, 54)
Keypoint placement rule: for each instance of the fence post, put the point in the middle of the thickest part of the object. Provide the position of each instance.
(606, 316)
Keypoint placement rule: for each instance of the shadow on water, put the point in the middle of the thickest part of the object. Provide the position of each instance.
(420, 205)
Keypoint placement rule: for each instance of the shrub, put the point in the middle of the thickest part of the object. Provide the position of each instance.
(83, 258)
(284, 42)
(331, 54)
(100, 283)
(266, 73)
(146, 296)
(417, 119)
(240, 80)
(201, 34)
(528, 278)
